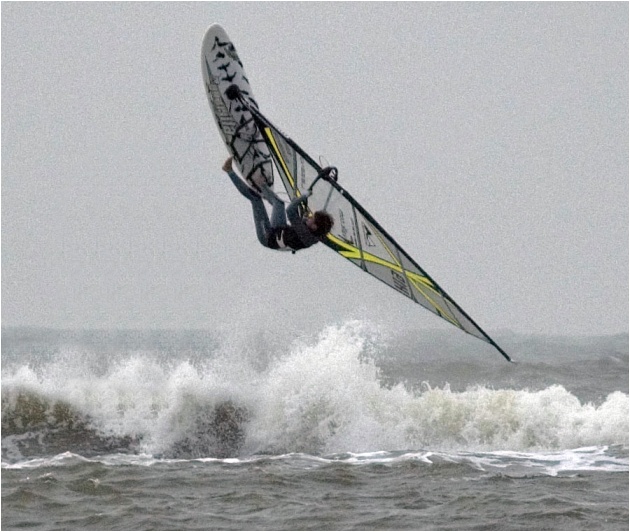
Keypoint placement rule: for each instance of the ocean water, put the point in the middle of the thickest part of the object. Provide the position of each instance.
(355, 427)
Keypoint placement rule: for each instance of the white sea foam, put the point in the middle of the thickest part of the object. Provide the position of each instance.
(319, 397)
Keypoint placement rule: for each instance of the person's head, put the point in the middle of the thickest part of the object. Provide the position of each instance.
(320, 223)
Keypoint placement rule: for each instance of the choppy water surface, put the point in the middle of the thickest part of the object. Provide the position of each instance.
(353, 428)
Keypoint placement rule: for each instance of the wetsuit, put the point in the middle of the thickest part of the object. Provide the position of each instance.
(276, 233)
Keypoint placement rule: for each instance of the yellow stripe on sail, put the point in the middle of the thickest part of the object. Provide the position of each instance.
(354, 253)
(422, 285)
(285, 169)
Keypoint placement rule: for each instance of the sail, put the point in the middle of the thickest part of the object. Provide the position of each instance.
(357, 236)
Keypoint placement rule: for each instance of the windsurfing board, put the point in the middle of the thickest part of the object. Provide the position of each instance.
(222, 68)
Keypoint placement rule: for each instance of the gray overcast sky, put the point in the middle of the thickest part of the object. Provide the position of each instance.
(490, 139)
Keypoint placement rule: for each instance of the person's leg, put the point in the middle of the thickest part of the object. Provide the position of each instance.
(261, 218)
(278, 212)
(242, 187)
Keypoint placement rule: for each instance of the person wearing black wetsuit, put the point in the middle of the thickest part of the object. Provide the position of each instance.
(301, 232)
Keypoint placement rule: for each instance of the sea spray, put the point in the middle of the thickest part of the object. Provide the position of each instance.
(318, 395)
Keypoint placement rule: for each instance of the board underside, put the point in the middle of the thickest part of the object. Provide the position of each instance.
(222, 68)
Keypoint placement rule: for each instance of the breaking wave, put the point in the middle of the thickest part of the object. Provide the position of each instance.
(322, 396)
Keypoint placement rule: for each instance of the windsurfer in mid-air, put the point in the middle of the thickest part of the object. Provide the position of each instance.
(301, 232)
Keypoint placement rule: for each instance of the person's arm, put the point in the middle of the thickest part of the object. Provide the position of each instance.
(293, 211)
